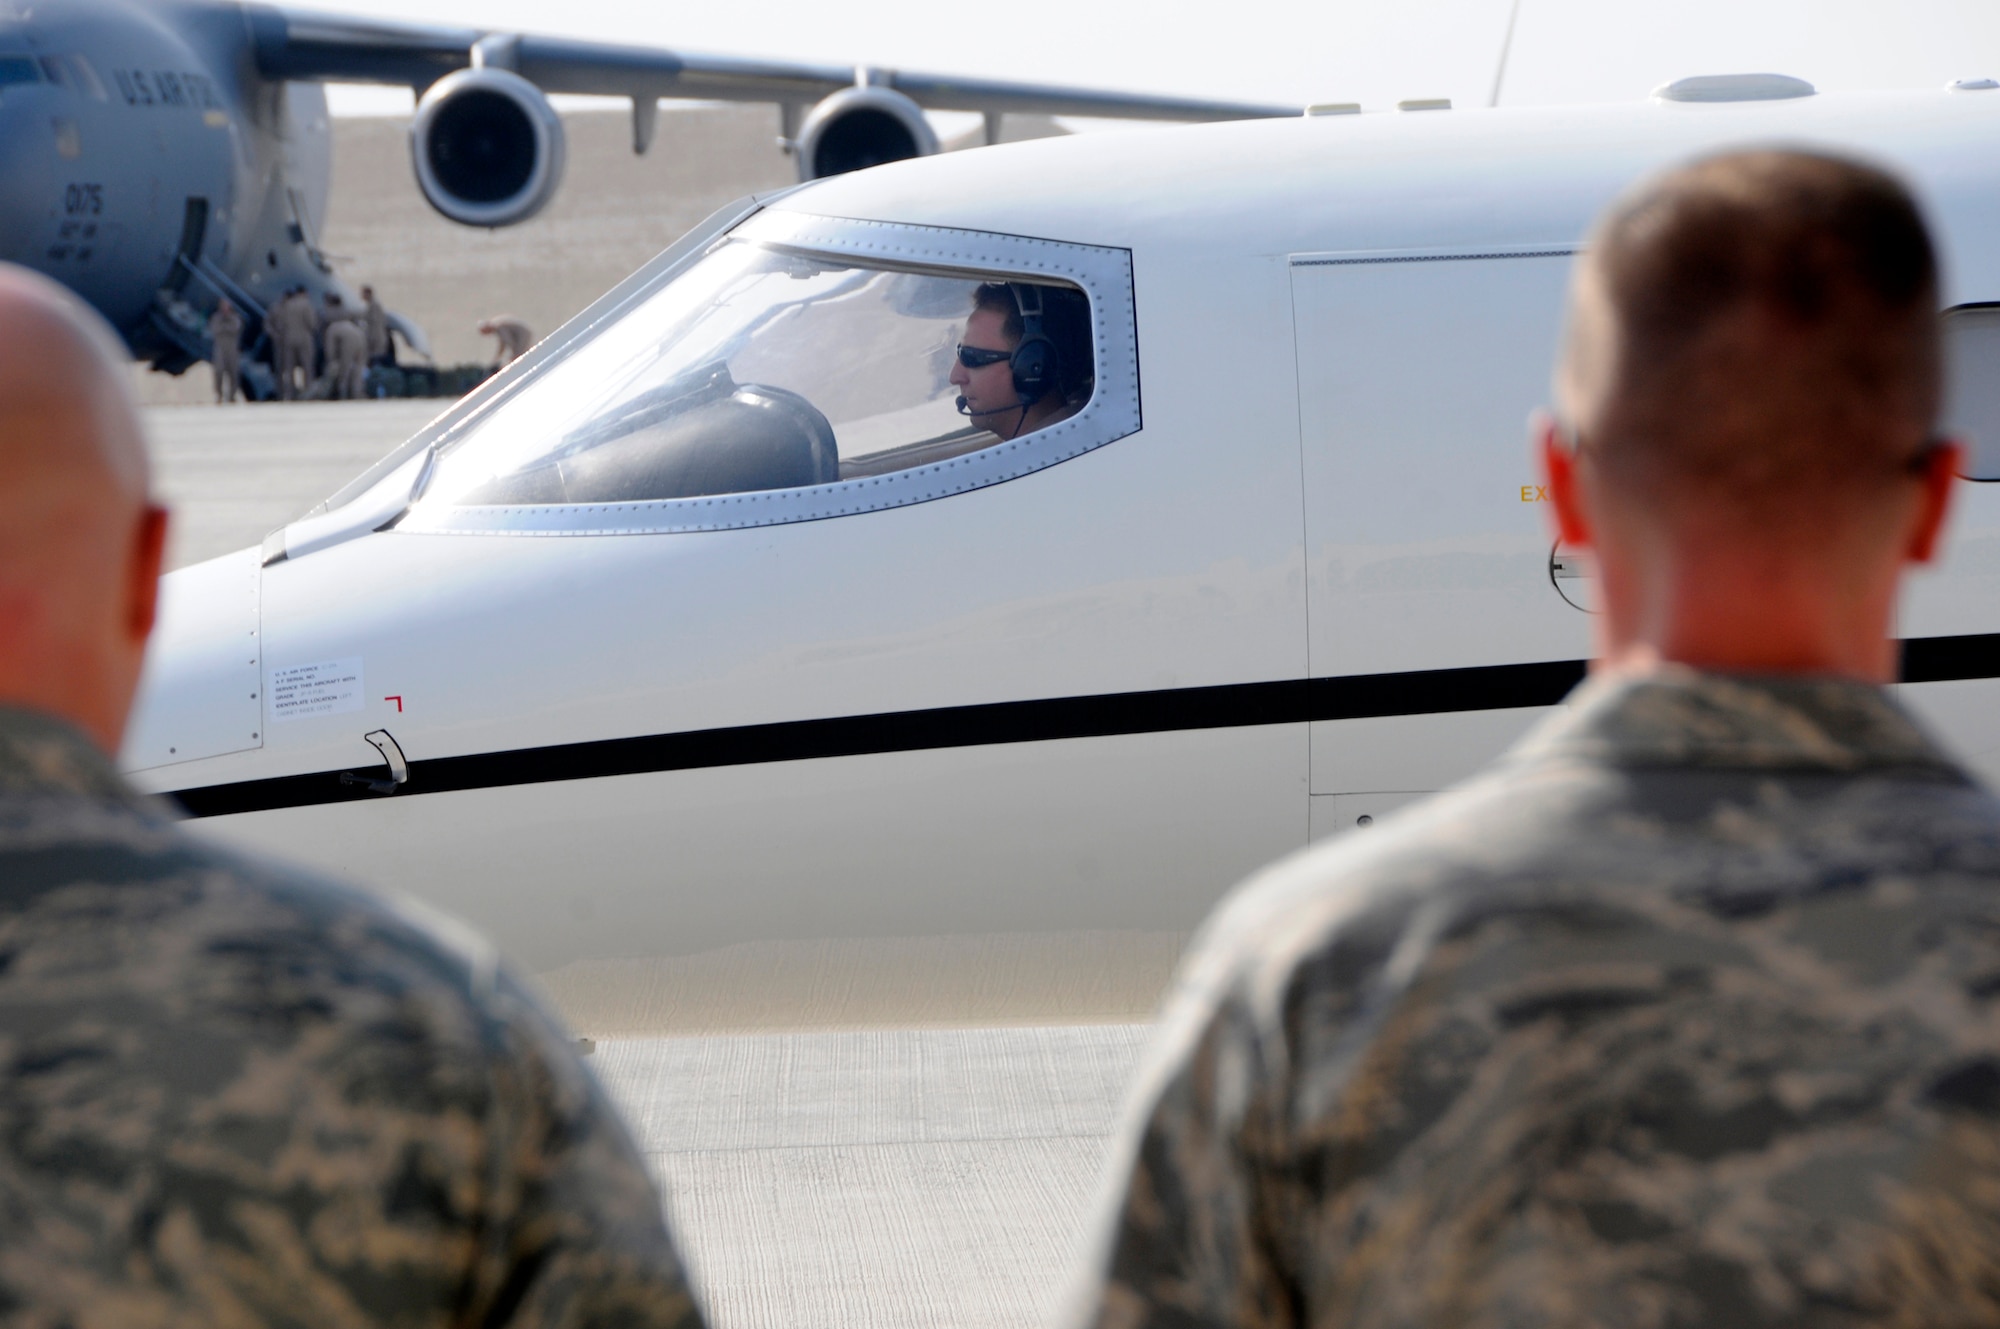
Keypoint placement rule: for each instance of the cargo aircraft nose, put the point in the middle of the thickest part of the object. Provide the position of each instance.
(28, 157)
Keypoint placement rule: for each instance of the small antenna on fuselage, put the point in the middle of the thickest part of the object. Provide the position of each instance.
(1506, 45)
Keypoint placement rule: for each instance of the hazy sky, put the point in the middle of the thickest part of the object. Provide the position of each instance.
(1372, 51)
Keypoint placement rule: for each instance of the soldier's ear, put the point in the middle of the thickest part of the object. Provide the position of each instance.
(148, 556)
(1943, 462)
(1561, 488)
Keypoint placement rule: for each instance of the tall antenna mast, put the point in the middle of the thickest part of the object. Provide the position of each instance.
(1506, 45)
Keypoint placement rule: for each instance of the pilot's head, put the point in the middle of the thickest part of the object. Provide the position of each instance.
(368, 293)
(991, 392)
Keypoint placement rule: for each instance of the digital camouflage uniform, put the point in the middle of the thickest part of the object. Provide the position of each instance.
(231, 1097)
(1683, 1015)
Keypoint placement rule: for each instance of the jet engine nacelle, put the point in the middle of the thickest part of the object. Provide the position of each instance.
(487, 146)
(860, 127)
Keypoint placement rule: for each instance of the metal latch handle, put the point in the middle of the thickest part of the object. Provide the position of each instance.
(399, 769)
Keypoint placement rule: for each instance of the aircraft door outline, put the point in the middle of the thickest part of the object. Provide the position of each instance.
(1428, 550)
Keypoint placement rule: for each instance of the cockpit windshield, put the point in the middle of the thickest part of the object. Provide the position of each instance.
(766, 368)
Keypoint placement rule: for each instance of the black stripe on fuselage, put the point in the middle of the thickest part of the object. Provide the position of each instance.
(1951, 659)
(1232, 706)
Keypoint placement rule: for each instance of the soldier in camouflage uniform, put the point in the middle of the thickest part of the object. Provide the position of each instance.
(1688, 1012)
(232, 1096)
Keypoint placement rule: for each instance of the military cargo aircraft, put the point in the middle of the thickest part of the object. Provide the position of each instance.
(157, 155)
(717, 619)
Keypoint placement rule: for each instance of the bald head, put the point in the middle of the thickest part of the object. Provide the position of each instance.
(61, 365)
(80, 540)
(1756, 331)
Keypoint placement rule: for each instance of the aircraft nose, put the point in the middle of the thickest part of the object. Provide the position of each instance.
(201, 692)
(27, 181)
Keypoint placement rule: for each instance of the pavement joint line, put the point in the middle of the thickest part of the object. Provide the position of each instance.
(875, 1144)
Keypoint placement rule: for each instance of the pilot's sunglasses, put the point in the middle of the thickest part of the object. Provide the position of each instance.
(978, 357)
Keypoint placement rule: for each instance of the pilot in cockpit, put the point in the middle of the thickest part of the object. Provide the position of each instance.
(1024, 361)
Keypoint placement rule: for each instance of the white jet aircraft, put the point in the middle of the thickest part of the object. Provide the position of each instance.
(716, 619)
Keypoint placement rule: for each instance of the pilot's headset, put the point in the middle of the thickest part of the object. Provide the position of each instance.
(1036, 364)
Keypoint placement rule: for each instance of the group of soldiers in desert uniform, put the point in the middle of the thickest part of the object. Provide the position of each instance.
(327, 352)
(336, 344)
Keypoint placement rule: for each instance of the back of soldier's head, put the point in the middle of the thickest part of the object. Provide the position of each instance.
(66, 412)
(1756, 334)
(79, 540)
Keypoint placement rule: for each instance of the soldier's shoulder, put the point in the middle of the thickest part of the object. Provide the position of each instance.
(78, 864)
(1356, 893)
(1948, 808)
(384, 938)
(1548, 835)
(1499, 823)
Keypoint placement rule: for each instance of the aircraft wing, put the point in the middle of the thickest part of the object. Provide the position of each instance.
(308, 47)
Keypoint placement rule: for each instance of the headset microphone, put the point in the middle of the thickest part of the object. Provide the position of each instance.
(964, 408)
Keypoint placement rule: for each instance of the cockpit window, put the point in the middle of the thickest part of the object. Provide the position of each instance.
(1972, 381)
(86, 77)
(772, 369)
(768, 370)
(18, 69)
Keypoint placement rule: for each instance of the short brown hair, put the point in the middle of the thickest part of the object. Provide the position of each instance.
(995, 298)
(1755, 324)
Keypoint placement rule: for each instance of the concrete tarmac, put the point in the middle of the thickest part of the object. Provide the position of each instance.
(234, 474)
(879, 1179)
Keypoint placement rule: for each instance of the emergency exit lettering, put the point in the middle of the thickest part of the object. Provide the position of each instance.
(1534, 493)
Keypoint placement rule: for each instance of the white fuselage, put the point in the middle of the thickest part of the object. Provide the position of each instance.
(1224, 629)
